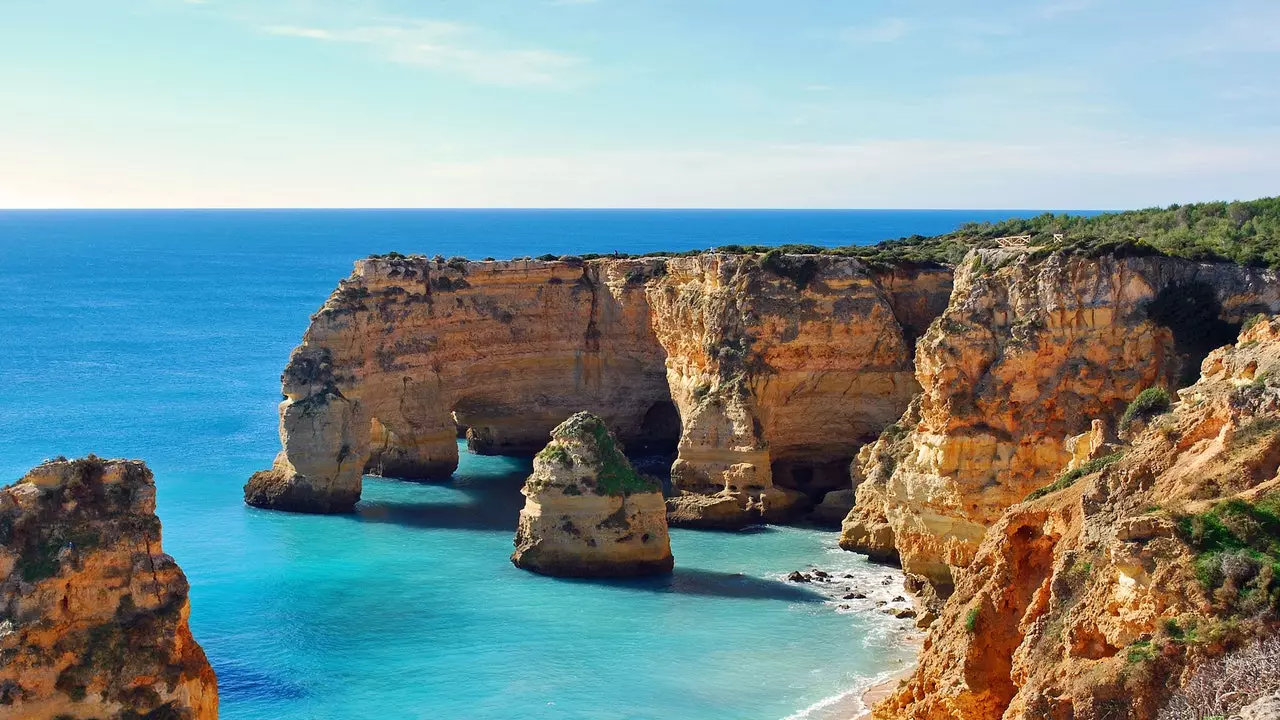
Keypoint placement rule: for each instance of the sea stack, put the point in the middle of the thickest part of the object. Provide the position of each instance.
(93, 615)
(587, 512)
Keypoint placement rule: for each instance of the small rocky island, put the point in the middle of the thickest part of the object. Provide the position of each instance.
(93, 614)
(587, 512)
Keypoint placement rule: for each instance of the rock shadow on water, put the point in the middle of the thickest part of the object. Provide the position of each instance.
(491, 504)
(711, 583)
(243, 684)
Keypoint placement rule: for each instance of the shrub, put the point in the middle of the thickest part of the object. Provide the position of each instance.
(1223, 686)
(971, 620)
(1149, 403)
(1238, 551)
(1069, 478)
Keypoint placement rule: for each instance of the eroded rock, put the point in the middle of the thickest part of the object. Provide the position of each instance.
(1028, 354)
(93, 614)
(587, 512)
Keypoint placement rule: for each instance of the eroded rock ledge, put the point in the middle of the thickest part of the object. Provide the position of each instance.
(1029, 354)
(93, 614)
(1101, 598)
(587, 512)
(766, 379)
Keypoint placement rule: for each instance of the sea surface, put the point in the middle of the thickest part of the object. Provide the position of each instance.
(161, 336)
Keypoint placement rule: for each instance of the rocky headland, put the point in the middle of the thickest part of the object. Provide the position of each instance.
(1106, 591)
(1030, 355)
(93, 614)
(766, 374)
(587, 512)
(1055, 425)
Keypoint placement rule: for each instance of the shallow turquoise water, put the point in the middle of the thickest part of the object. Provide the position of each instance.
(161, 336)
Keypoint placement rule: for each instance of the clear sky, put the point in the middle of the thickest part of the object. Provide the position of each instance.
(638, 103)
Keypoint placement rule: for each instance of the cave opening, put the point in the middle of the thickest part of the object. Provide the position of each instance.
(1194, 315)
(659, 430)
(814, 479)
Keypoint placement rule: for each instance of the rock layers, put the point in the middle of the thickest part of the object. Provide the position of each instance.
(587, 512)
(770, 372)
(93, 614)
(1028, 354)
(1101, 597)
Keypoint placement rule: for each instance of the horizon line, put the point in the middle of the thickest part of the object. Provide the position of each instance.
(230, 208)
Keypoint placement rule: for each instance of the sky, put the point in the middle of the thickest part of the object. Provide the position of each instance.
(638, 103)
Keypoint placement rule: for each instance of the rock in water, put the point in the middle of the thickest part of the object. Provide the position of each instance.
(93, 615)
(587, 512)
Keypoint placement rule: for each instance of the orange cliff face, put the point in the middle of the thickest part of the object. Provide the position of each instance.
(1029, 353)
(752, 373)
(1099, 599)
(93, 614)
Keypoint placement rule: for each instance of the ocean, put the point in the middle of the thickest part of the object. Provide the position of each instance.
(160, 335)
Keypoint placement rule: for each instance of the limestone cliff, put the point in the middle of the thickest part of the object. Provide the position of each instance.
(1029, 352)
(1100, 596)
(779, 376)
(769, 371)
(93, 614)
(587, 512)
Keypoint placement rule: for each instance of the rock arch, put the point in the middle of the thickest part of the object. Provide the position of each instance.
(738, 360)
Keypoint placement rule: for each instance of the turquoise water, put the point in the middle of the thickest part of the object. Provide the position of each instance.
(161, 336)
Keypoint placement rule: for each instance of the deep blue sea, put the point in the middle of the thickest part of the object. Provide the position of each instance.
(161, 336)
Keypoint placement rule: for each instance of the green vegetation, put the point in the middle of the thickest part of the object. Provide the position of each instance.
(616, 477)
(1140, 652)
(1069, 478)
(1237, 546)
(1149, 403)
(971, 620)
(1247, 233)
(554, 453)
(1253, 320)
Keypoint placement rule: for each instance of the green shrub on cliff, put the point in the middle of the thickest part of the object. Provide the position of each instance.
(1237, 544)
(1069, 478)
(1148, 404)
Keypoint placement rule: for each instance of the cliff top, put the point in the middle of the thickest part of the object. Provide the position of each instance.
(1245, 233)
(583, 441)
(74, 505)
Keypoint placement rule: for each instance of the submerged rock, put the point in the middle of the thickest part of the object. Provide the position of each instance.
(587, 512)
(93, 615)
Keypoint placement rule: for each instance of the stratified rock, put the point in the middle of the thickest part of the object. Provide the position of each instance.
(781, 368)
(1267, 708)
(1030, 351)
(768, 372)
(1096, 599)
(587, 512)
(93, 615)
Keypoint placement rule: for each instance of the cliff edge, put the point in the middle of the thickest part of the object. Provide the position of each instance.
(93, 614)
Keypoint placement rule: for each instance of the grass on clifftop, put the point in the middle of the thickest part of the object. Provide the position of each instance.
(1247, 233)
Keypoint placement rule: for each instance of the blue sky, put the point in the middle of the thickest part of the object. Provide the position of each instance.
(637, 103)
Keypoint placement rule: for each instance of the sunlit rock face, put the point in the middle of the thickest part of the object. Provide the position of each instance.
(767, 375)
(1028, 354)
(93, 614)
(587, 512)
(1102, 598)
